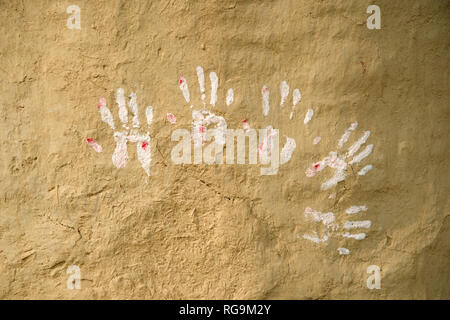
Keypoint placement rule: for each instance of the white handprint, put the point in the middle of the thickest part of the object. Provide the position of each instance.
(125, 135)
(330, 226)
(202, 119)
(339, 162)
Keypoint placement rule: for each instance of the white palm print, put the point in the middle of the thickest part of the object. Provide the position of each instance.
(203, 118)
(125, 134)
(339, 162)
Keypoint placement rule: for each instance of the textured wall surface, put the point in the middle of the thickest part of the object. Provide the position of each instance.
(224, 231)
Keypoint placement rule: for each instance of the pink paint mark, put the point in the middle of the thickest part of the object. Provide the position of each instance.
(144, 145)
(171, 118)
(265, 89)
(101, 102)
(181, 79)
(308, 210)
(311, 172)
(202, 130)
(94, 144)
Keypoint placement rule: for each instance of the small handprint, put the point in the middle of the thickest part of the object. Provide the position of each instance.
(125, 135)
(339, 162)
(331, 227)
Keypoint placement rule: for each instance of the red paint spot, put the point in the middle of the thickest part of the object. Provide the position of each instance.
(363, 66)
(265, 89)
(202, 129)
(244, 121)
(144, 145)
(90, 140)
(316, 166)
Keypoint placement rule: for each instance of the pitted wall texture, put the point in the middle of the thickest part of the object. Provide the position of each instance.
(223, 231)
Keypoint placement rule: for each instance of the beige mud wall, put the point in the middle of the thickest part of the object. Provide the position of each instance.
(223, 231)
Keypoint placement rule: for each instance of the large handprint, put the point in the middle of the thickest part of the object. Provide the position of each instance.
(203, 118)
(125, 134)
